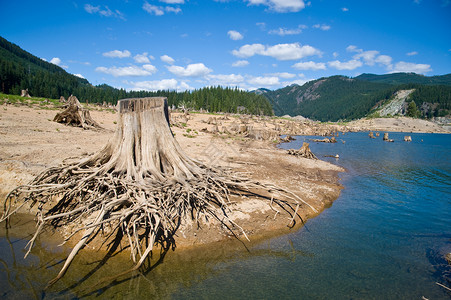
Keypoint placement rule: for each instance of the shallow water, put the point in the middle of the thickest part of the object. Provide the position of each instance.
(383, 238)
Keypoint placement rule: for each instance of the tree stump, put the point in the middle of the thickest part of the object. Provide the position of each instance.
(304, 151)
(138, 188)
(76, 115)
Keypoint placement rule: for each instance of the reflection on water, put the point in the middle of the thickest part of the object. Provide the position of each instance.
(384, 238)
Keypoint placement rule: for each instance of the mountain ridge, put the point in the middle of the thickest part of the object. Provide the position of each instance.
(340, 97)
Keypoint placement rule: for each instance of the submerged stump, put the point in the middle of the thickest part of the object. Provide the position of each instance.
(137, 189)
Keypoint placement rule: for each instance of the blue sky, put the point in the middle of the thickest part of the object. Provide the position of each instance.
(189, 44)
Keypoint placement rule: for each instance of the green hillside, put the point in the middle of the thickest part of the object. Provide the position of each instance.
(343, 98)
(21, 70)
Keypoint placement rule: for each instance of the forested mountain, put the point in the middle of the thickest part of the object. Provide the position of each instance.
(343, 98)
(406, 78)
(21, 70)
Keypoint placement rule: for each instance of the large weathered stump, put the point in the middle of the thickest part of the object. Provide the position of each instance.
(76, 115)
(138, 188)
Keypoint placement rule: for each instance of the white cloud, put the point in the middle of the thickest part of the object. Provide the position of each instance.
(117, 53)
(153, 9)
(408, 67)
(285, 31)
(234, 35)
(160, 10)
(345, 9)
(309, 65)
(352, 48)
(297, 81)
(128, 71)
(192, 70)
(173, 1)
(284, 75)
(412, 53)
(263, 81)
(249, 50)
(240, 63)
(167, 59)
(322, 27)
(80, 76)
(151, 68)
(57, 61)
(225, 79)
(348, 65)
(141, 58)
(335, 54)
(368, 57)
(105, 12)
(290, 51)
(384, 59)
(165, 84)
(175, 10)
(91, 9)
(280, 51)
(280, 5)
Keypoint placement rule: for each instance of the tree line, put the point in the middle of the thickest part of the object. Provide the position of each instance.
(21, 70)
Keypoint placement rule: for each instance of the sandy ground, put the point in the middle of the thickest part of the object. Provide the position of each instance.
(31, 142)
(398, 124)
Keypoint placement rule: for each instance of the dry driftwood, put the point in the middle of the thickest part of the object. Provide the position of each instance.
(76, 115)
(137, 188)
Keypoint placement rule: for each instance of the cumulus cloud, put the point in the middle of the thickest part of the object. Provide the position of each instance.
(348, 65)
(264, 81)
(412, 53)
(132, 70)
(285, 31)
(249, 50)
(105, 11)
(192, 70)
(284, 75)
(117, 53)
(280, 51)
(225, 79)
(141, 58)
(408, 67)
(164, 84)
(384, 59)
(370, 57)
(240, 63)
(167, 59)
(57, 61)
(309, 65)
(234, 35)
(281, 6)
(79, 76)
(161, 10)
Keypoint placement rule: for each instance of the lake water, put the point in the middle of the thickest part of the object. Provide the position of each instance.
(383, 238)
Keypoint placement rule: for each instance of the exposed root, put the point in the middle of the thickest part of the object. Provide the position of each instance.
(140, 184)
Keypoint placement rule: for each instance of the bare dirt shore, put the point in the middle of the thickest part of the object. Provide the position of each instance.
(30, 141)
